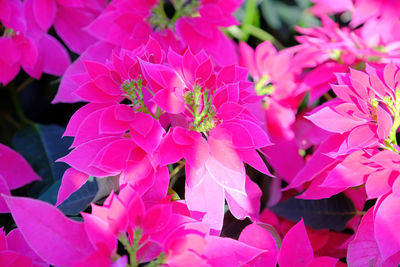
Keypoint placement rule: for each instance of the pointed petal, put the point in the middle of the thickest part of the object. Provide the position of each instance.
(72, 180)
(43, 225)
(296, 248)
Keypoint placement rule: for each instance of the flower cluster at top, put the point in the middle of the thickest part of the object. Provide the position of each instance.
(165, 89)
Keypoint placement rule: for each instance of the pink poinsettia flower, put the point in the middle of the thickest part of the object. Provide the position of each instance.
(161, 231)
(15, 172)
(274, 77)
(370, 99)
(296, 250)
(219, 12)
(69, 19)
(362, 10)
(213, 103)
(330, 48)
(58, 60)
(18, 48)
(377, 233)
(198, 35)
(14, 251)
(324, 243)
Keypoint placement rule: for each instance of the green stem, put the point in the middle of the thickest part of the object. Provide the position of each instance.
(259, 33)
(174, 173)
(18, 108)
(395, 126)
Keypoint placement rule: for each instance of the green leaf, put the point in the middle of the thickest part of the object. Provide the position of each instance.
(41, 145)
(330, 213)
(80, 199)
(270, 14)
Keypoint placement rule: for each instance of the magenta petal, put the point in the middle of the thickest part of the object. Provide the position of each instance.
(143, 123)
(378, 183)
(323, 261)
(98, 52)
(170, 152)
(363, 249)
(88, 129)
(99, 233)
(169, 102)
(43, 225)
(157, 218)
(113, 157)
(328, 119)
(110, 124)
(16, 242)
(6, 191)
(207, 197)
(296, 248)
(45, 12)
(386, 231)
(69, 25)
(148, 138)
(56, 61)
(229, 110)
(10, 258)
(81, 157)
(72, 180)
(14, 168)
(252, 158)
(90, 92)
(350, 172)
(197, 153)
(79, 116)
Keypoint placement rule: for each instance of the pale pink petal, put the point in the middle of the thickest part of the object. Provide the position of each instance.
(222, 251)
(207, 197)
(169, 102)
(197, 153)
(43, 225)
(242, 206)
(226, 177)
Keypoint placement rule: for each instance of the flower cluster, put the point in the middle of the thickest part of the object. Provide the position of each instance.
(201, 132)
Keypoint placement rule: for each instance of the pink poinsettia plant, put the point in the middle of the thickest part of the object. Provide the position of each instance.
(192, 145)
